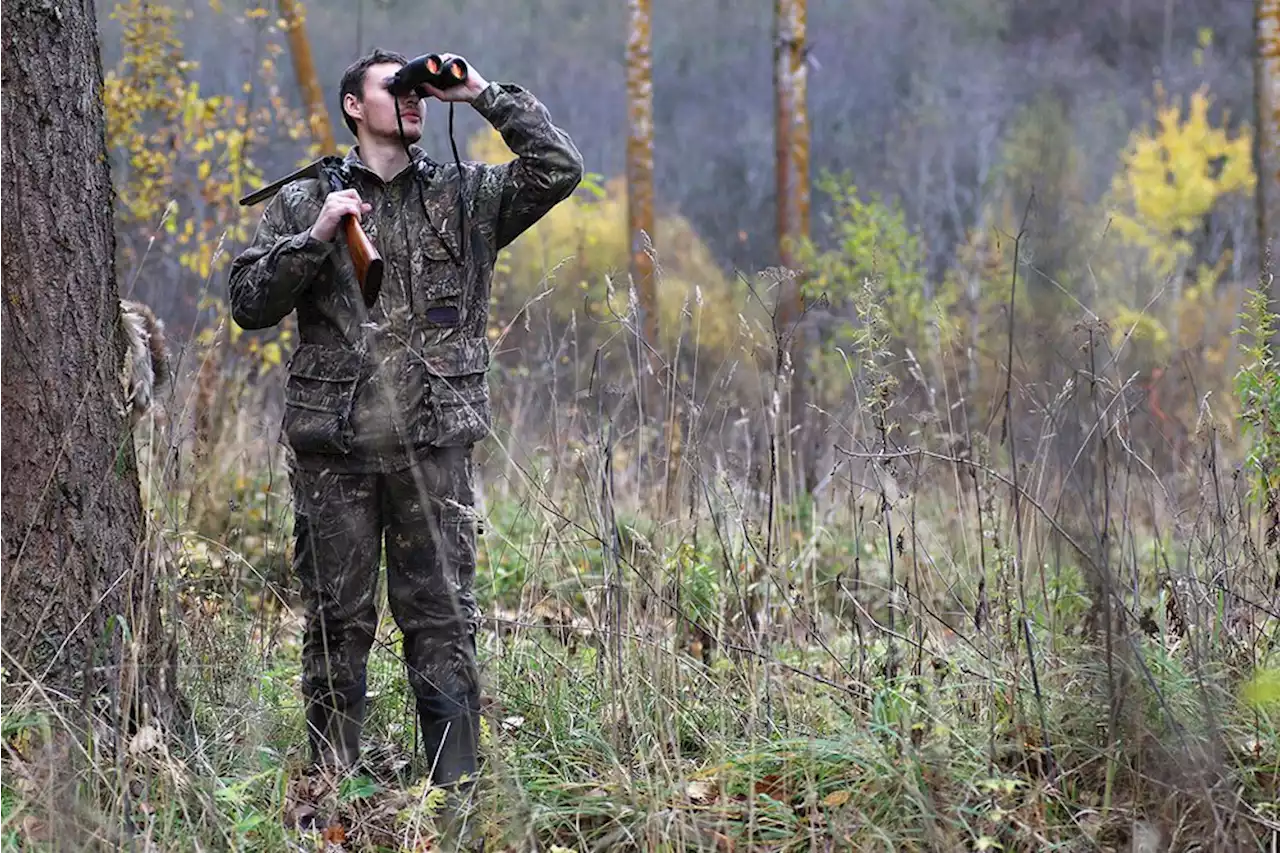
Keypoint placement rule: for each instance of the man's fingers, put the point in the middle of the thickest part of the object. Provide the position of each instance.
(343, 203)
(348, 202)
(345, 195)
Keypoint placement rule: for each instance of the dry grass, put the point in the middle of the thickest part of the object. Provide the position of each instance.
(1024, 632)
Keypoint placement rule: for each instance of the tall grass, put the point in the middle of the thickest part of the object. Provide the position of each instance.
(1014, 622)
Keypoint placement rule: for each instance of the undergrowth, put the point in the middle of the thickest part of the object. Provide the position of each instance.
(914, 655)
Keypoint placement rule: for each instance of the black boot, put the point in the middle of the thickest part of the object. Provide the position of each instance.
(334, 722)
(451, 740)
(451, 737)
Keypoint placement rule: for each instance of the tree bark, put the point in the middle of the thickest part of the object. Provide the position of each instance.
(79, 603)
(1267, 144)
(640, 161)
(305, 70)
(791, 138)
(640, 228)
(792, 131)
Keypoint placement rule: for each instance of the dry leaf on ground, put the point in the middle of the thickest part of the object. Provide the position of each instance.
(703, 792)
(772, 786)
(836, 798)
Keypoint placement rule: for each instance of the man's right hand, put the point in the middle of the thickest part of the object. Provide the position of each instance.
(337, 205)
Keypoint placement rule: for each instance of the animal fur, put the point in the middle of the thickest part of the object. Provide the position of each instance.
(146, 365)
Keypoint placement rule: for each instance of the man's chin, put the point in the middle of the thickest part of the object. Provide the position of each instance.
(412, 132)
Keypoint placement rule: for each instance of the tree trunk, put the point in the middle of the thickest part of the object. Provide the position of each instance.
(308, 82)
(791, 138)
(79, 603)
(640, 223)
(792, 131)
(640, 161)
(1267, 143)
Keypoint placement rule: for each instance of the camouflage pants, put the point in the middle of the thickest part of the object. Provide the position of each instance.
(426, 515)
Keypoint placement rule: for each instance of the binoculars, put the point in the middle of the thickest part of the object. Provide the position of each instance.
(429, 68)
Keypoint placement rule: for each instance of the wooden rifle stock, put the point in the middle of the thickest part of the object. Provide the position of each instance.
(364, 255)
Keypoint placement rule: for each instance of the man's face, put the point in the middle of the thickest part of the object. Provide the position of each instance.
(377, 112)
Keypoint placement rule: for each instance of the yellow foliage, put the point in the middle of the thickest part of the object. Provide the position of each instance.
(487, 147)
(1171, 177)
(181, 158)
(581, 245)
(1138, 326)
(1262, 690)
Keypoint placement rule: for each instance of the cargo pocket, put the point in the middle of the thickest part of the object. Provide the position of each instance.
(437, 282)
(458, 393)
(318, 398)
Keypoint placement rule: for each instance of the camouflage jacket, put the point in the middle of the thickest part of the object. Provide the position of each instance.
(365, 388)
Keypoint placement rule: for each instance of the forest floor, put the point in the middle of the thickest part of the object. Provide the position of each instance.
(701, 686)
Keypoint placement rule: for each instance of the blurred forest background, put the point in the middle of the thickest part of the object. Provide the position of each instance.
(943, 107)
(932, 125)
(962, 531)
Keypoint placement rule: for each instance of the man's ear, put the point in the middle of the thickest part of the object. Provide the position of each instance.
(352, 106)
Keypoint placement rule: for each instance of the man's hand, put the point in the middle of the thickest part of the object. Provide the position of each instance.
(336, 206)
(464, 93)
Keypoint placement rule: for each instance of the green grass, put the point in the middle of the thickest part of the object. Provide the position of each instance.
(926, 738)
(898, 662)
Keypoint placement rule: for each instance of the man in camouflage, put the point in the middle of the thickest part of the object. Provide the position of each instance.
(384, 404)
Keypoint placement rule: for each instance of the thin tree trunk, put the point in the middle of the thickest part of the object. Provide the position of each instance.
(79, 605)
(792, 151)
(640, 219)
(1267, 142)
(792, 132)
(294, 16)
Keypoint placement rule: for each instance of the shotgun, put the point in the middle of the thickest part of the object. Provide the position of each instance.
(364, 255)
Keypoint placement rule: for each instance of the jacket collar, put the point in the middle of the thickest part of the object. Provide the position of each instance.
(417, 154)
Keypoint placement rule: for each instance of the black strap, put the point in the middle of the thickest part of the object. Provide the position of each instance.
(417, 179)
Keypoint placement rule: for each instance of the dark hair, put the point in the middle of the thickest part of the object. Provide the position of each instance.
(353, 78)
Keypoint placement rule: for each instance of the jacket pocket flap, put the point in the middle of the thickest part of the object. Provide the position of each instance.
(325, 364)
(458, 358)
(436, 249)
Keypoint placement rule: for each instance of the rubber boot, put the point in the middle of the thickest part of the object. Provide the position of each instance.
(334, 723)
(451, 739)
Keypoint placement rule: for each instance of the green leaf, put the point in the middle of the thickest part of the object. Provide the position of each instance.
(356, 788)
(1262, 690)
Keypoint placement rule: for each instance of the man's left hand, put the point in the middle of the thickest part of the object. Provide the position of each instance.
(464, 93)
